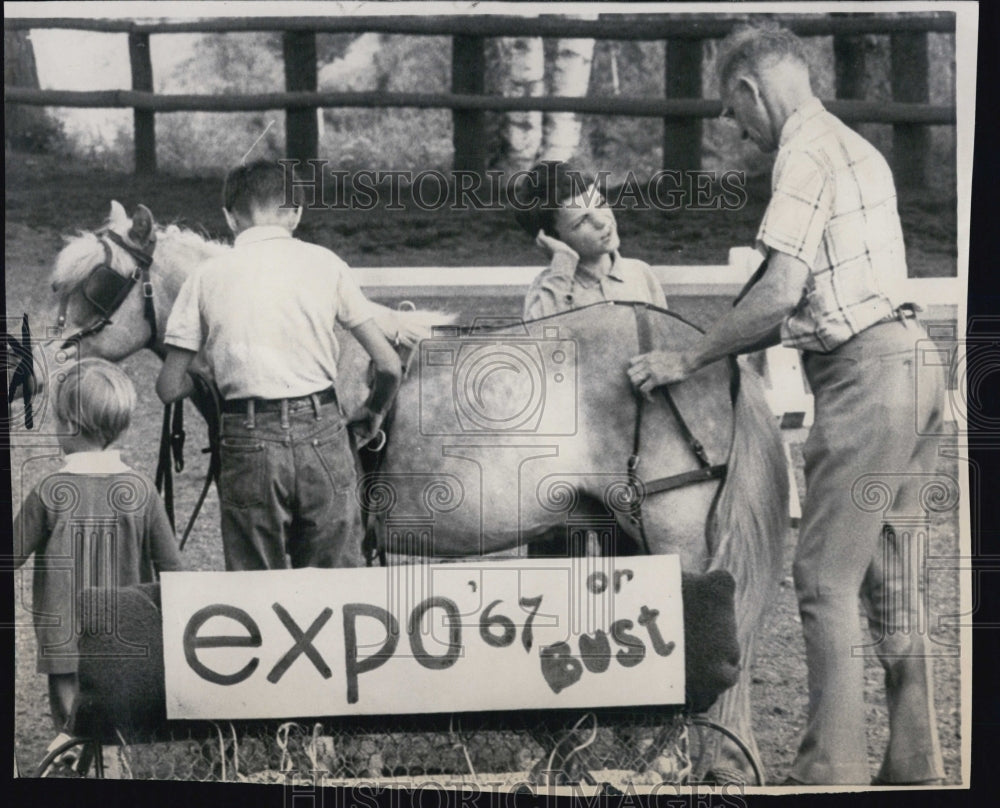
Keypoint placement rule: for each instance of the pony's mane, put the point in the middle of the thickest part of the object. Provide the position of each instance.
(82, 252)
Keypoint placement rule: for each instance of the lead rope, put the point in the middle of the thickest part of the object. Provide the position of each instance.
(164, 475)
(635, 494)
(213, 417)
(171, 458)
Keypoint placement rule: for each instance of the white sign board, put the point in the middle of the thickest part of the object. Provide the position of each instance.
(504, 635)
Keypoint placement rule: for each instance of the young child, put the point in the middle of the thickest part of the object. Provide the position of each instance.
(568, 217)
(95, 522)
(263, 316)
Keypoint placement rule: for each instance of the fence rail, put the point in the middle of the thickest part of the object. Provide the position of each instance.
(642, 27)
(851, 111)
(682, 110)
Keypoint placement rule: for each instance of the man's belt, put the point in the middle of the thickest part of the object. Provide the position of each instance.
(240, 405)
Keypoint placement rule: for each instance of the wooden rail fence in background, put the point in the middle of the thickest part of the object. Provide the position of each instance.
(682, 110)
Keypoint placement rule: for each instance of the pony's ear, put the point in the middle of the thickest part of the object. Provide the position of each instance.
(117, 214)
(141, 232)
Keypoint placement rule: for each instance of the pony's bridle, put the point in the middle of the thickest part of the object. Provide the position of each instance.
(640, 489)
(106, 289)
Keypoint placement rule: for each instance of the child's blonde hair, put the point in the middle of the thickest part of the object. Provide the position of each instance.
(97, 398)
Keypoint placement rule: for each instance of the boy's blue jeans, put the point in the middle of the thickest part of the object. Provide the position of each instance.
(287, 489)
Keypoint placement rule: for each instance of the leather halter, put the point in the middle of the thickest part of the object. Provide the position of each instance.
(140, 275)
(705, 471)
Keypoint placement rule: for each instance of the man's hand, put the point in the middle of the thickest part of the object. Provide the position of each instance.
(365, 424)
(650, 370)
(554, 246)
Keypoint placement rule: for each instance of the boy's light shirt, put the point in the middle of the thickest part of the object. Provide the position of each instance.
(264, 315)
(107, 461)
(558, 288)
(263, 232)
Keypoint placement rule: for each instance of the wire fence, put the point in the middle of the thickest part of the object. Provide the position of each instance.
(616, 748)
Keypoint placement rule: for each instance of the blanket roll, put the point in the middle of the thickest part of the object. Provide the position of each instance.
(712, 652)
(122, 675)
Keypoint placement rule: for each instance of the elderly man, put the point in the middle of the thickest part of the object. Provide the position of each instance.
(834, 249)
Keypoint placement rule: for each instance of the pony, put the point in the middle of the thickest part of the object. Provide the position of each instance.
(500, 434)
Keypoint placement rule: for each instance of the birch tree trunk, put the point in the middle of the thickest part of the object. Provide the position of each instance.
(570, 76)
(523, 61)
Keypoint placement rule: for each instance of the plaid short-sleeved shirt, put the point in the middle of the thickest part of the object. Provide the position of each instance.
(833, 206)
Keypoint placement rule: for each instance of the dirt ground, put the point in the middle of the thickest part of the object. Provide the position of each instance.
(46, 200)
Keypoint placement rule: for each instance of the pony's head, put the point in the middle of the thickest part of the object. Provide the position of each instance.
(83, 297)
(89, 271)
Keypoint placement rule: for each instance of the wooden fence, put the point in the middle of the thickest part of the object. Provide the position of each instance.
(682, 109)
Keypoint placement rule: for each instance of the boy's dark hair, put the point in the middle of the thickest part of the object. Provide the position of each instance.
(539, 193)
(259, 184)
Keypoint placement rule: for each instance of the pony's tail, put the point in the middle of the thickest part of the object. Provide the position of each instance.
(746, 536)
(748, 527)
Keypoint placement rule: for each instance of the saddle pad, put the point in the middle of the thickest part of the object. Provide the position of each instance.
(122, 677)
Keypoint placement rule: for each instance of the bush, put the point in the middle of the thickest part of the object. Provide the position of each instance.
(33, 130)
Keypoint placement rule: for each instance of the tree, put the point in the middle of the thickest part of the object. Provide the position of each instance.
(531, 136)
(522, 60)
(26, 128)
(570, 76)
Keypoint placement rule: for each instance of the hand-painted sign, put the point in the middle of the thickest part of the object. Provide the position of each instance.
(525, 633)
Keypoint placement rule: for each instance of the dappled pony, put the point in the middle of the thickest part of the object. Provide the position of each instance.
(499, 435)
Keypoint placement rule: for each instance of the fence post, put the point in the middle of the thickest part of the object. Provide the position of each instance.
(849, 65)
(682, 136)
(143, 121)
(910, 142)
(468, 72)
(301, 126)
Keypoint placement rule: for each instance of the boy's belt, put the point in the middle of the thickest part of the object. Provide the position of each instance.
(241, 405)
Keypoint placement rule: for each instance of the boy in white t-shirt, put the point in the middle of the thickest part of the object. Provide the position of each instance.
(263, 317)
